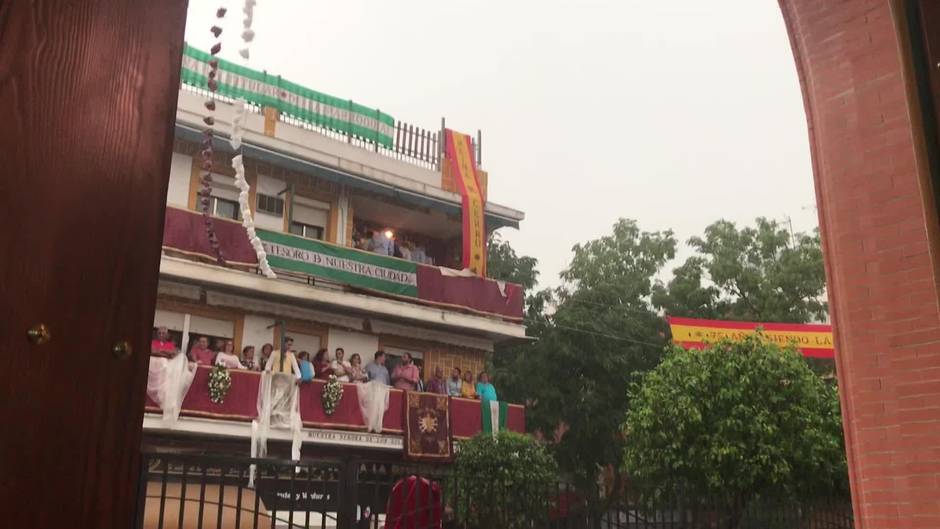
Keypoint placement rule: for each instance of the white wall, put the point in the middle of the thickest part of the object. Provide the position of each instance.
(181, 170)
(270, 186)
(353, 342)
(256, 333)
(305, 342)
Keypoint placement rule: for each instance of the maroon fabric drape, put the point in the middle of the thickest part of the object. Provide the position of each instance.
(185, 231)
(477, 293)
(241, 404)
(414, 503)
(427, 427)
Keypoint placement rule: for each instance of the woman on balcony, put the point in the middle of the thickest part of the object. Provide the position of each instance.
(357, 373)
(227, 357)
(485, 390)
(321, 366)
(467, 389)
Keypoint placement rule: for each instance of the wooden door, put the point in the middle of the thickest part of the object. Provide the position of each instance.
(88, 95)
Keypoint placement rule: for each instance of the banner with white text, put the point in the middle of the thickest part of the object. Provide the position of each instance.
(343, 265)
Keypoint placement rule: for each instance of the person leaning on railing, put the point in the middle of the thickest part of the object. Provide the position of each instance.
(485, 390)
(467, 389)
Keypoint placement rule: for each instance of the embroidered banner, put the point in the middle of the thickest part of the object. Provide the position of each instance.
(427, 427)
(812, 340)
(464, 168)
(343, 265)
(304, 104)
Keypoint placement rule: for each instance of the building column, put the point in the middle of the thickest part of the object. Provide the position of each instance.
(878, 222)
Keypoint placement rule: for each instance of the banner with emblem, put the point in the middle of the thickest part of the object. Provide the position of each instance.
(427, 427)
(459, 153)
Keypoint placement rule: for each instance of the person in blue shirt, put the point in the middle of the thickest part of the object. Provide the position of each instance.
(377, 370)
(485, 390)
(306, 368)
(454, 383)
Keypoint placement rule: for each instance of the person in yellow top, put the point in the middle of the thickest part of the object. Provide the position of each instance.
(285, 375)
(284, 362)
(468, 388)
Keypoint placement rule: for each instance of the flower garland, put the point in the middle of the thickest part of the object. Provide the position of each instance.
(332, 394)
(219, 383)
(208, 151)
(238, 162)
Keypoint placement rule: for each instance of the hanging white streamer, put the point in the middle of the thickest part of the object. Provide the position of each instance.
(238, 163)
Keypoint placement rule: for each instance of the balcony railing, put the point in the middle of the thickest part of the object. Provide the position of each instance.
(185, 233)
(241, 405)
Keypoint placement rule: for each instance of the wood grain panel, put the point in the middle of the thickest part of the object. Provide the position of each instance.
(88, 93)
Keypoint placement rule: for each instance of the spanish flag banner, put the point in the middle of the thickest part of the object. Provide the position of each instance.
(811, 339)
(460, 157)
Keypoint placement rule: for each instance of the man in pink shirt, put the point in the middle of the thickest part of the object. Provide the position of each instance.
(201, 354)
(162, 345)
(405, 375)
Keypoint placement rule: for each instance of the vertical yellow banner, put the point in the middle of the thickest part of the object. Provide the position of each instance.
(460, 156)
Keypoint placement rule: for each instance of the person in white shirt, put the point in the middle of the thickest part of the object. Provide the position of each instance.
(227, 357)
(341, 367)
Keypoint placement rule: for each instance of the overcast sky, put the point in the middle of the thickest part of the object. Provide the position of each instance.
(672, 113)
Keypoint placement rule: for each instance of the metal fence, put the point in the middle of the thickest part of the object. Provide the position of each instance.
(183, 491)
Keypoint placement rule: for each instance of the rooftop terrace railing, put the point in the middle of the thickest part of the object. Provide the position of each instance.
(340, 119)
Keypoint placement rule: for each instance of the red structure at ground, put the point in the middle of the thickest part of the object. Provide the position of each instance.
(869, 79)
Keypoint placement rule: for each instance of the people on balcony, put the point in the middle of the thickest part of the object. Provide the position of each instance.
(373, 395)
(454, 383)
(376, 369)
(248, 357)
(284, 360)
(485, 390)
(357, 373)
(169, 376)
(437, 384)
(306, 367)
(227, 357)
(200, 352)
(266, 351)
(405, 375)
(321, 365)
(468, 389)
(340, 365)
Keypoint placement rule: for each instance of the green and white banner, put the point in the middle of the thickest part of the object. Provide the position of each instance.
(343, 265)
(288, 98)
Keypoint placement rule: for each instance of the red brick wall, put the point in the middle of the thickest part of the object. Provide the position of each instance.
(879, 229)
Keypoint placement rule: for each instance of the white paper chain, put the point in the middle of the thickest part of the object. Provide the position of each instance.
(238, 163)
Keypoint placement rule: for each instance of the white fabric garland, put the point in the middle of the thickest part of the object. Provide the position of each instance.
(238, 163)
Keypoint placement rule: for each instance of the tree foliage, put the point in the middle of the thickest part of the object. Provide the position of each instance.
(761, 273)
(735, 421)
(600, 332)
(503, 481)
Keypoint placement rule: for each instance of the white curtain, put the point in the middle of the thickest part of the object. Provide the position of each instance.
(278, 407)
(373, 403)
(168, 382)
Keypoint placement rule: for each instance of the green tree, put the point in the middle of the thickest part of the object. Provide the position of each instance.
(509, 361)
(735, 421)
(503, 481)
(601, 332)
(761, 273)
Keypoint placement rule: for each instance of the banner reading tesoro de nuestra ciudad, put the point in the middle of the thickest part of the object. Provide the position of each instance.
(343, 265)
(814, 340)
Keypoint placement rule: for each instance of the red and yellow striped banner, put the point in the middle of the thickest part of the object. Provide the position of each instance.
(813, 340)
(460, 155)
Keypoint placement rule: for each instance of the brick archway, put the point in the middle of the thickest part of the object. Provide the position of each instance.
(878, 220)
